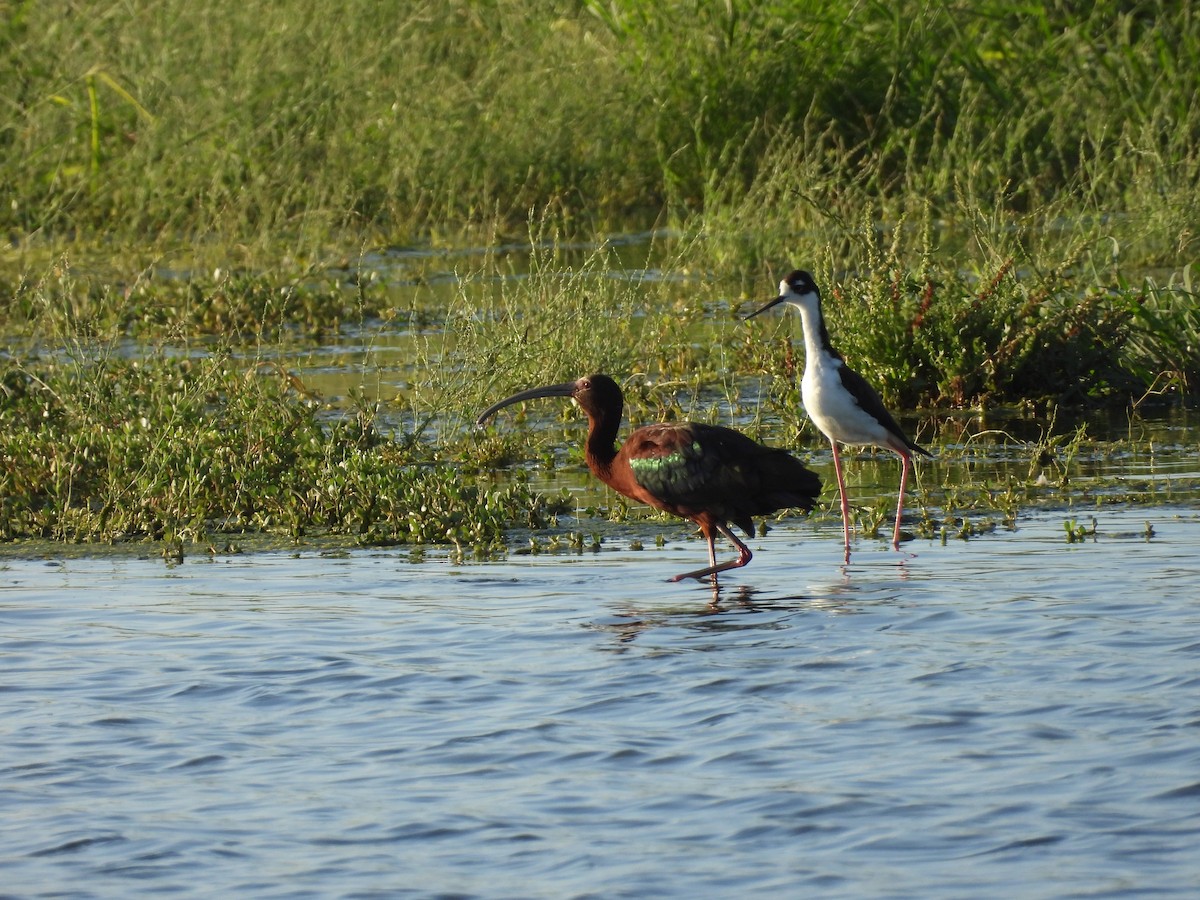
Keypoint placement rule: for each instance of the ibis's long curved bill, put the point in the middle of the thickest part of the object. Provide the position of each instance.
(553, 390)
(763, 309)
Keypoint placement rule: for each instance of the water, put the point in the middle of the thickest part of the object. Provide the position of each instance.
(1009, 716)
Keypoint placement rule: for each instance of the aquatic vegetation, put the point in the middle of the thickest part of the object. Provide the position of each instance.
(183, 450)
(1077, 532)
(1163, 350)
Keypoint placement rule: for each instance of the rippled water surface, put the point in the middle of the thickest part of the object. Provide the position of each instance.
(1009, 716)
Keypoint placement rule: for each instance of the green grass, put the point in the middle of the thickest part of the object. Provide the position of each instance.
(267, 135)
(999, 202)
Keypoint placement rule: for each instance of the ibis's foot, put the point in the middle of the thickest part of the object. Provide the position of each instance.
(702, 575)
(708, 575)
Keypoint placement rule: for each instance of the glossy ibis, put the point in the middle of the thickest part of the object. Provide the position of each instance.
(843, 406)
(709, 474)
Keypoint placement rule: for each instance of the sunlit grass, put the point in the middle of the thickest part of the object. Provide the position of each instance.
(260, 135)
(999, 205)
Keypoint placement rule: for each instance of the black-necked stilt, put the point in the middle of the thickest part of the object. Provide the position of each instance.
(840, 402)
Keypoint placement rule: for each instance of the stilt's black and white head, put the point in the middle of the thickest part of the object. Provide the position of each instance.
(801, 292)
(799, 289)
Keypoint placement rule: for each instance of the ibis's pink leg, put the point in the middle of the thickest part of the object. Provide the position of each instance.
(905, 462)
(744, 556)
(841, 480)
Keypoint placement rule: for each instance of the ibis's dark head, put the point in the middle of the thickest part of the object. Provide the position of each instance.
(597, 395)
(798, 289)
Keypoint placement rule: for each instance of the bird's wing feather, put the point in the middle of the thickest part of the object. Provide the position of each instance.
(668, 462)
(870, 401)
(696, 467)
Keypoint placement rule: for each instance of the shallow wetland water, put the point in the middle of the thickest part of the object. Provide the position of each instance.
(1011, 715)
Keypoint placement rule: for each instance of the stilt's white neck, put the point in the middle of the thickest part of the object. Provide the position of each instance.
(816, 338)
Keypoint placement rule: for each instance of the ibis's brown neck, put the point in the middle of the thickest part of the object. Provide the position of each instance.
(601, 447)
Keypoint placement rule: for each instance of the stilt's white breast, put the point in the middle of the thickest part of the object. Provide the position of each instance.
(834, 410)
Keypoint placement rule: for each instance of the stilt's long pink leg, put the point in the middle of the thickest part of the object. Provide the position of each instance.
(905, 462)
(841, 480)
